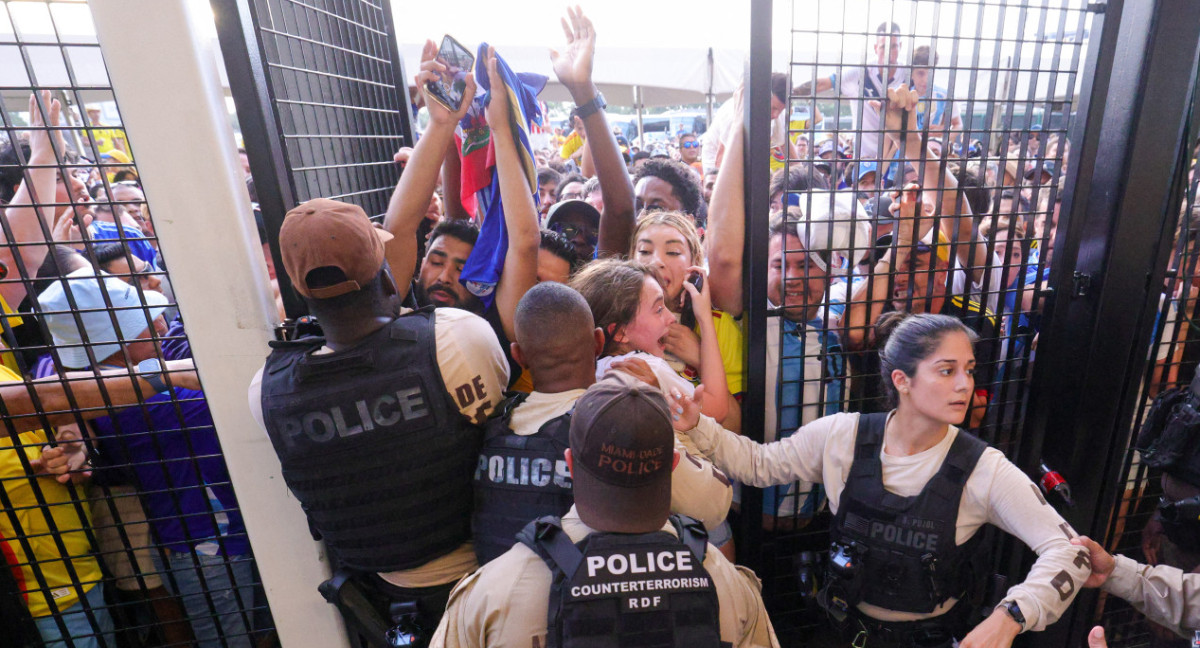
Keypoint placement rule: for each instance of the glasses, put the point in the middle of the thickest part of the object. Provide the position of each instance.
(690, 145)
(571, 231)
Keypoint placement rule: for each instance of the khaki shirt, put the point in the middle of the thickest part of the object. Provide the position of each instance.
(504, 604)
(1165, 594)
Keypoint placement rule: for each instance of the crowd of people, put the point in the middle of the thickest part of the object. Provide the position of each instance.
(520, 421)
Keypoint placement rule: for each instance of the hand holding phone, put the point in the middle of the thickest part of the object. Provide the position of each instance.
(451, 81)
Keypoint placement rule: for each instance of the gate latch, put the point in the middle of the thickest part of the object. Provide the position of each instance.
(1081, 283)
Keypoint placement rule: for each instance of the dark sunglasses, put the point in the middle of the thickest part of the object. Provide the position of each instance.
(692, 144)
(571, 231)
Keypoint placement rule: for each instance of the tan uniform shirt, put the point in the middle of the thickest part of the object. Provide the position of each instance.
(504, 604)
(1166, 595)
(997, 492)
(475, 372)
(698, 489)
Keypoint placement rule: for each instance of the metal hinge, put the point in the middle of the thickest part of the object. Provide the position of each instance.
(1081, 283)
(1097, 7)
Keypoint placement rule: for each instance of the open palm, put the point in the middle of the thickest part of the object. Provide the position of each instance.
(573, 65)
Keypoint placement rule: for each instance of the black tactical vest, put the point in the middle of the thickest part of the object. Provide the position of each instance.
(628, 591)
(518, 480)
(372, 445)
(1170, 436)
(905, 547)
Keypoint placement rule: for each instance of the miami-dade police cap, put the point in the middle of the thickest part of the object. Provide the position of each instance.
(622, 450)
(325, 233)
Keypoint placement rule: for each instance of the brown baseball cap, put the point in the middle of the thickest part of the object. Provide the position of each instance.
(324, 233)
(622, 450)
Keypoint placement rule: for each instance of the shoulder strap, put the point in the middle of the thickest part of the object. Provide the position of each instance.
(868, 442)
(961, 459)
(546, 537)
(692, 533)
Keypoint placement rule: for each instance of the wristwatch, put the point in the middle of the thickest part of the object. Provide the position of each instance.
(150, 370)
(590, 108)
(1014, 611)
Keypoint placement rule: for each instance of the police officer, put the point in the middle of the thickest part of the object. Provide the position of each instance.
(1166, 595)
(522, 474)
(910, 493)
(377, 423)
(616, 569)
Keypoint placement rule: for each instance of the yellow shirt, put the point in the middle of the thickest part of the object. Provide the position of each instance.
(573, 143)
(33, 524)
(731, 339)
(8, 359)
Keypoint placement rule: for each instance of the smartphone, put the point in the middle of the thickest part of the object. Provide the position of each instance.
(448, 89)
(686, 316)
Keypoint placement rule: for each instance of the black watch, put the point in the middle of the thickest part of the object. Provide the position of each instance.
(1014, 611)
(150, 370)
(590, 108)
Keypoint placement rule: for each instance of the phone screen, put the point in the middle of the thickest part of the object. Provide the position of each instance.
(448, 89)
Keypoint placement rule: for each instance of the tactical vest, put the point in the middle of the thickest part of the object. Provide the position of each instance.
(372, 445)
(901, 551)
(518, 479)
(1170, 436)
(628, 591)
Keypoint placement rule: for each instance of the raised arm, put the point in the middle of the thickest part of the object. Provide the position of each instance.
(411, 197)
(520, 214)
(823, 84)
(957, 222)
(871, 296)
(727, 224)
(25, 221)
(94, 394)
(573, 66)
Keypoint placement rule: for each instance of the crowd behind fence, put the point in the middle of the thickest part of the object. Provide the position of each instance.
(915, 169)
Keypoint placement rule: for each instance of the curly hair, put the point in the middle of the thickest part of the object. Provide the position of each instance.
(679, 176)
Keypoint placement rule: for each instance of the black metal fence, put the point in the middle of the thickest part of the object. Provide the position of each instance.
(997, 93)
(322, 100)
(118, 522)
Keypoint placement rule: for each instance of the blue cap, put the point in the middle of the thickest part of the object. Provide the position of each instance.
(864, 168)
(87, 287)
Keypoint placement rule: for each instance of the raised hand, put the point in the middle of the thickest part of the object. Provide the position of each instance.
(497, 108)
(573, 65)
(43, 141)
(901, 110)
(431, 70)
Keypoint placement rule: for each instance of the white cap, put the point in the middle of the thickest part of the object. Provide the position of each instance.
(835, 224)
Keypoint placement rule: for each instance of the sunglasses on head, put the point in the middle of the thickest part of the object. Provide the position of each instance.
(690, 145)
(571, 231)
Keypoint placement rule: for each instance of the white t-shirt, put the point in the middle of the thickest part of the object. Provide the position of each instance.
(471, 362)
(858, 85)
(997, 493)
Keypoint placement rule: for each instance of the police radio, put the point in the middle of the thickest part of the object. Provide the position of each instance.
(296, 328)
(845, 575)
